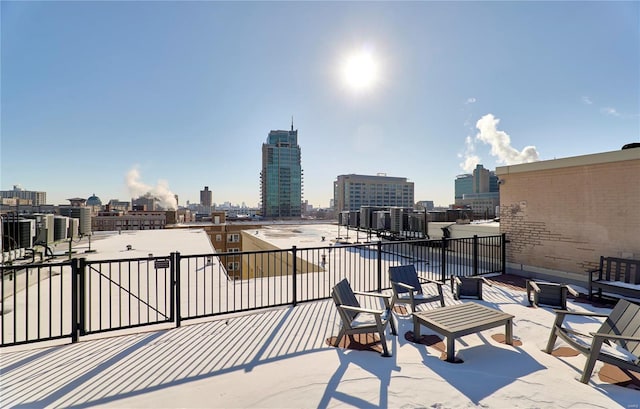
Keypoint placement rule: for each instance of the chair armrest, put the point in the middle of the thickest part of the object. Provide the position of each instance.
(582, 314)
(372, 294)
(456, 280)
(597, 270)
(427, 281)
(534, 286)
(572, 291)
(615, 336)
(403, 285)
(484, 280)
(360, 309)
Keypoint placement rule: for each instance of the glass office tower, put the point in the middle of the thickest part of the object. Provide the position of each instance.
(281, 176)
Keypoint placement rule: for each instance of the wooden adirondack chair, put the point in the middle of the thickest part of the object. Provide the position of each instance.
(407, 287)
(357, 320)
(551, 294)
(617, 342)
(468, 287)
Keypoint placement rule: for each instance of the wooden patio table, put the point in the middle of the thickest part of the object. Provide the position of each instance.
(457, 320)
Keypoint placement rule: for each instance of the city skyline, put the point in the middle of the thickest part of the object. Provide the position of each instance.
(115, 98)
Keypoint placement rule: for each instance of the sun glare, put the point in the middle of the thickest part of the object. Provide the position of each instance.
(360, 71)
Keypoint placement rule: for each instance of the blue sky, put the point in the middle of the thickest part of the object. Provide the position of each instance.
(110, 97)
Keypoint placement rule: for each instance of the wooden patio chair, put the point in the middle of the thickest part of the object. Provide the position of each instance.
(617, 342)
(407, 287)
(550, 294)
(358, 320)
(468, 287)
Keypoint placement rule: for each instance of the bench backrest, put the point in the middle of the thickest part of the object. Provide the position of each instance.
(624, 320)
(620, 269)
(407, 275)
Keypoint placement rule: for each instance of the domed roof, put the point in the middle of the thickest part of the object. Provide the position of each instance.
(94, 200)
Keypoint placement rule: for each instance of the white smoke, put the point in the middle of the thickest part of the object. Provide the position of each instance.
(161, 191)
(470, 158)
(501, 143)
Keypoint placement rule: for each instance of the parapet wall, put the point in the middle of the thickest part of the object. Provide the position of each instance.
(564, 214)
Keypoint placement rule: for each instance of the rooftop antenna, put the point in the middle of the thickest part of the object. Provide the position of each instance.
(291, 123)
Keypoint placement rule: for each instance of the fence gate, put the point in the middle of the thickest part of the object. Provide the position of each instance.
(120, 294)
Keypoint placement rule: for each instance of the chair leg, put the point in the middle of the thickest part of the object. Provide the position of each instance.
(557, 324)
(441, 296)
(383, 341)
(392, 323)
(552, 341)
(591, 359)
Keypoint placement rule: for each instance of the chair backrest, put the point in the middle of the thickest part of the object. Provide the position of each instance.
(624, 320)
(470, 286)
(552, 294)
(407, 275)
(343, 295)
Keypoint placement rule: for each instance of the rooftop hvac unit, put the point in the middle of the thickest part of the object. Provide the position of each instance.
(83, 215)
(47, 223)
(354, 218)
(60, 228)
(365, 216)
(396, 219)
(27, 231)
(74, 231)
(381, 219)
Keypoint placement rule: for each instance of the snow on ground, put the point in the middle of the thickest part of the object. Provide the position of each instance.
(279, 358)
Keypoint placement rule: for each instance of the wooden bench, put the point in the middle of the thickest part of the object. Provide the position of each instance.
(617, 277)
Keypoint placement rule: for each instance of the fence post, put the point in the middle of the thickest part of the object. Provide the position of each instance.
(75, 298)
(175, 260)
(82, 274)
(503, 256)
(443, 259)
(475, 254)
(294, 291)
(380, 266)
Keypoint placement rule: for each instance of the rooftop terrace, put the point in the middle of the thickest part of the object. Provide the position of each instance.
(280, 357)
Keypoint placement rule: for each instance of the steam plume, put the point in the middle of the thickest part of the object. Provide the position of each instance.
(500, 145)
(161, 191)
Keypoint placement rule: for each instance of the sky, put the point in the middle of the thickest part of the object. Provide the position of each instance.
(119, 98)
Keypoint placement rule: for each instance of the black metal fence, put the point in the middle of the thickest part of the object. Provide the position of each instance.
(81, 297)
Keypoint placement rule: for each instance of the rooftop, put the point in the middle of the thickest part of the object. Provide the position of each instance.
(280, 357)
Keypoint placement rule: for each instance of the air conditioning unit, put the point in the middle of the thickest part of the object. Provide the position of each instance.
(26, 233)
(60, 228)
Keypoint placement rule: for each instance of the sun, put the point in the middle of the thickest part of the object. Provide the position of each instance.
(360, 71)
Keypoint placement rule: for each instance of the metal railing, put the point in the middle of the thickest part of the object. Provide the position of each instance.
(81, 297)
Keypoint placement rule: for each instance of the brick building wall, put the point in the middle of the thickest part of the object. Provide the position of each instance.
(562, 215)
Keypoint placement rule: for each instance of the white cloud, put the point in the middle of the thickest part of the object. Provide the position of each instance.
(470, 101)
(610, 111)
(587, 101)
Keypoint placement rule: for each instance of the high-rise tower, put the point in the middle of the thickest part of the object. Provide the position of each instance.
(281, 176)
(206, 197)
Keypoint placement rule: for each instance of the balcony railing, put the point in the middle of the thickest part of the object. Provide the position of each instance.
(81, 297)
